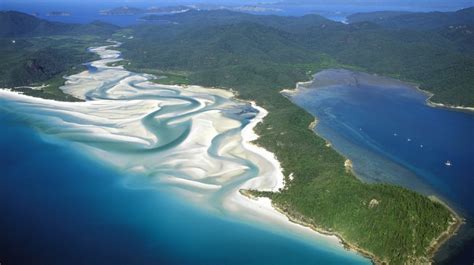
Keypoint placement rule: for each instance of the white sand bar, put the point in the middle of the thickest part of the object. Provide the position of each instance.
(192, 140)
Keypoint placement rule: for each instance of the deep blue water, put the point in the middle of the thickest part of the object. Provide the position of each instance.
(392, 136)
(60, 207)
(80, 13)
(85, 12)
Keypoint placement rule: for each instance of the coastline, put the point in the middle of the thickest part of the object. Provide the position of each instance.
(347, 245)
(441, 105)
(432, 249)
(244, 191)
(429, 94)
(270, 178)
(449, 107)
(264, 205)
(452, 230)
(340, 240)
(248, 138)
(455, 224)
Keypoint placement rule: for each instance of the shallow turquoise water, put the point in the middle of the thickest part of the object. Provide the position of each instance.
(60, 207)
(138, 174)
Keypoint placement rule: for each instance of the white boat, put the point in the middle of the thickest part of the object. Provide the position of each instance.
(448, 163)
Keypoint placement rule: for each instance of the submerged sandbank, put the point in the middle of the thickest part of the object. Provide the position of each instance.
(193, 140)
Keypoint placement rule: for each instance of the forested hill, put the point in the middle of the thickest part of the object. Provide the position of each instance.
(438, 55)
(258, 56)
(36, 51)
(17, 24)
(416, 21)
(207, 18)
(441, 61)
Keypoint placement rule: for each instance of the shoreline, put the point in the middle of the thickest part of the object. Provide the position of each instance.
(452, 230)
(263, 205)
(435, 245)
(243, 191)
(432, 104)
(264, 208)
(271, 177)
(248, 136)
(347, 245)
(448, 107)
(411, 84)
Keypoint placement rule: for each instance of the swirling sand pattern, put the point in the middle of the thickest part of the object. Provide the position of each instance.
(191, 140)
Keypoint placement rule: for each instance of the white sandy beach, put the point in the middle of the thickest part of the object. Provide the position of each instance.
(184, 138)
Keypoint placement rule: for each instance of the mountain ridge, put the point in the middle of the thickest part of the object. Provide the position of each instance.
(18, 24)
(416, 20)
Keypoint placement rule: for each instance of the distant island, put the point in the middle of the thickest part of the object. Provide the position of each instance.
(122, 11)
(256, 9)
(415, 20)
(131, 11)
(258, 57)
(58, 14)
(169, 9)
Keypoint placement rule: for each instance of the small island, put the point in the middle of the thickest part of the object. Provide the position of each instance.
(58, 14)
(122, 11)
(256, 9)
(133, 11)
(169, 9)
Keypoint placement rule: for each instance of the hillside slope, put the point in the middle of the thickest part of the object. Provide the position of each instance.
(416, 21)
(36, 51)
(259, 59)
(441, 61)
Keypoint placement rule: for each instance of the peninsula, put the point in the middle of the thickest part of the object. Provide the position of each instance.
(257, 57)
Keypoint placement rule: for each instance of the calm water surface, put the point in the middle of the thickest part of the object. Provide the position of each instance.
(392, 136)
(60, 207)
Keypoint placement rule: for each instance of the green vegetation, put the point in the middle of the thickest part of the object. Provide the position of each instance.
(42, 61)
(441, 60)
(258, 57)
(162, 77)
(17, 24)
(376, 16)
(416, 21)
(425, 58)
(172, 79)
(36, 52)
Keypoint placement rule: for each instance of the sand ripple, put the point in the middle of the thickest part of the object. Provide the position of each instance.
(192, 140)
